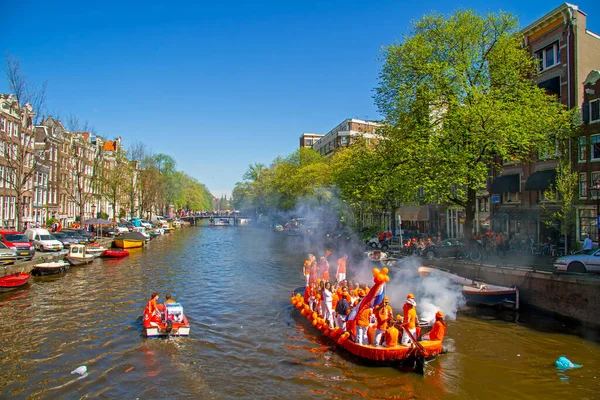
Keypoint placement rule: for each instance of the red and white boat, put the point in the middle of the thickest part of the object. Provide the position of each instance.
(14, 281)
(172, 321)
(115, 253)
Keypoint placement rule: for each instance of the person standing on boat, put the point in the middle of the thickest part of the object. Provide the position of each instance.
(314, 270)
(383, 313)
(406, 306)
(340, 273)
(342, 309)
(363, 320)
(306, 268)
(328, 304)
(324, 268)
(410, 322)
(439, 328)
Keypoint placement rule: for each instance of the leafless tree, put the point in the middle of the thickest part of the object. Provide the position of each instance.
(26, 104)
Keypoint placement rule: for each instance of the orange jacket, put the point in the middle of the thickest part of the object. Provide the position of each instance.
(391, 337)
(151, 306)
(364, 317)
(341, 269)
(306, 267)
(410, 320)
(438, 331)
(383, 315)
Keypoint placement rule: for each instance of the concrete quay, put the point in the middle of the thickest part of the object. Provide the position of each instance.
(570, 295)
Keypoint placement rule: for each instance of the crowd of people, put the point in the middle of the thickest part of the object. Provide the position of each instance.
(338, 302)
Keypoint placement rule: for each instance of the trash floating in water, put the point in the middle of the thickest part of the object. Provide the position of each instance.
(80, 371)
(564, 363)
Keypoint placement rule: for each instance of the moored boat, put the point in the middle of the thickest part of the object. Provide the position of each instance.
(172, 321)
(50, 268)
(14, 281)
(478, 292)
(130, 240)
(95, 249)
(115, 253)
(78, 255)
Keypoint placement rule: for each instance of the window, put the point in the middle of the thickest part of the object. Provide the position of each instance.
(344, 140)
(595, 111)
(583, 185)
(594, 181)
(483, 204)
(309, 142)
(583, 149)
(587, 224)
(595, 147)
(548, 57)
(511, 198)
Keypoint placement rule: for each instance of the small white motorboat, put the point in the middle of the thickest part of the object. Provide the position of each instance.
(78, 255)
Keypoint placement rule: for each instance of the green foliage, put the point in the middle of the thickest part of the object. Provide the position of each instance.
(458, 98)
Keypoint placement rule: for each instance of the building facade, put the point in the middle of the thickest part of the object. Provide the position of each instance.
(345, 134)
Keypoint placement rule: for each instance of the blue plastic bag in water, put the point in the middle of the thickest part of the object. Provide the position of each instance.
(564, 363)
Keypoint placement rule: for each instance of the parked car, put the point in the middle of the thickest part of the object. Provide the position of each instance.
(584, 261)
(446, 248)
(392, 244)
(75, 235)
(83, 233)
(17, 241)
(65, 239)
(7, 255)
(43, 240)
(145, 223)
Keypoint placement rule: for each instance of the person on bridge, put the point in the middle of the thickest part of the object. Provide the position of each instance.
(439, 328)
(587, 243)
(340, 273)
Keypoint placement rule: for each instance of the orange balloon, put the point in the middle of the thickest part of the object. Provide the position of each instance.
(385, 271)
(294, 302)
(303, 312)
(326, 331)
(314, 322)
(298, 295)
(387, 278)
(380, 277)
(376, 271)
(315, 315)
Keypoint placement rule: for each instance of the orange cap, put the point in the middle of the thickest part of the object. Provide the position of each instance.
(439, 314)
(361, 293)
(410, 296)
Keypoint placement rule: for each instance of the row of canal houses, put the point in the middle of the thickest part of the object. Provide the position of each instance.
(569, 65)
(48, 172)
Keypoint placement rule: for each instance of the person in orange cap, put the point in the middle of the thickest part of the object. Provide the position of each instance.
(362, 322)
(439, 328)
(406, 306)
(340, 273)
(383, 313)
(410, 322)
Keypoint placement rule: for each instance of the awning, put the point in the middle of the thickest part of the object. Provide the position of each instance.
(541, 180)
(414, 213)
(98, 221)
(551, 85)
(507, 184)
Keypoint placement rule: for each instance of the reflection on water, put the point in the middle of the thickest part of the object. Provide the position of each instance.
(246, 340)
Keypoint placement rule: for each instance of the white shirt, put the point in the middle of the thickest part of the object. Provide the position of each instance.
(327, 297)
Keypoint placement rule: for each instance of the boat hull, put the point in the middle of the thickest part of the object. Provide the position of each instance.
(14, 281)
(128, 243)
(50, 268)
(115, 253)
(76, 261)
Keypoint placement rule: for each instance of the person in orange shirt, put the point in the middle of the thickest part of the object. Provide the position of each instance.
(340, 273)
(383, 314)
(306, 268)
(406, 306)
(391, 336)
(410, 322)
(152, 308)
(324, 269)
(439, 328)
(362, 322)
(314, 270)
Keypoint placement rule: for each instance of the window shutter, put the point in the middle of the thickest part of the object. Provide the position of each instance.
(585, 109)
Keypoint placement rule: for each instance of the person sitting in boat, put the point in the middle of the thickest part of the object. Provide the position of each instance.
(391, 334)
(410, 322)
(439, 328)
(363, 320)
(168, 299)
(384, 314)
(342, 309)
(152, 309)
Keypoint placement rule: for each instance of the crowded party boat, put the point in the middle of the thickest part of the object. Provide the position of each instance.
(164, 320)
(360, 320)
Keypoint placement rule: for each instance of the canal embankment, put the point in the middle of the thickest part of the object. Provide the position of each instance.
(570, 295)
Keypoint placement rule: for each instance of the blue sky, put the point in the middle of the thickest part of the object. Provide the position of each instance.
(219, 85)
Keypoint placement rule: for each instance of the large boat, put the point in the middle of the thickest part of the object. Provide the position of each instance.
(222, 222)
(50, 268)
(479, 292)
(130, 240)
(14, 281)
(414, 355)
(78, 255)
(172, 321)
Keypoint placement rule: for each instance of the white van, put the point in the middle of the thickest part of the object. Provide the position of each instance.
(43, 240)
(158, 220)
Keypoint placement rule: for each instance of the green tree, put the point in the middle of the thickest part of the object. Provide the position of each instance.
(458, 98)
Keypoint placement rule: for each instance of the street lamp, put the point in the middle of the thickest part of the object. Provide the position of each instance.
(93, 211)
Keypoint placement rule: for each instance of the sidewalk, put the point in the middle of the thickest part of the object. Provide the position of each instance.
(511, 259)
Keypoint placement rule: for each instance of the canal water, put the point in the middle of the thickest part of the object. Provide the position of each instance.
(246, 340)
